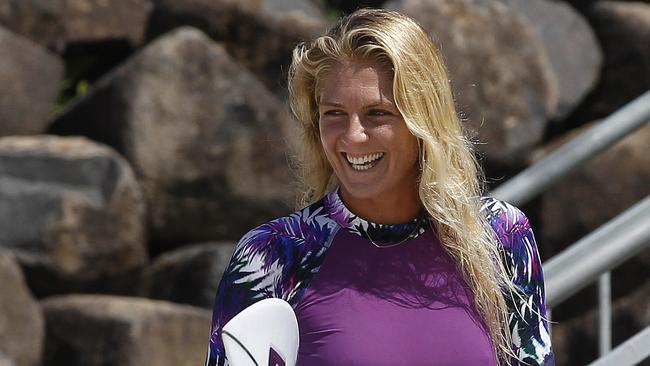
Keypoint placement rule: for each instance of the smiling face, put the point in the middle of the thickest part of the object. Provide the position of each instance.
(363, 134)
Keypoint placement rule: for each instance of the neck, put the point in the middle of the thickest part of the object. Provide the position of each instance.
(388, 209)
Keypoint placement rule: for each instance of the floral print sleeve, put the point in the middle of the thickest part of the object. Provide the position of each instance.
(242, 284)
(277, 259)
(531, 341)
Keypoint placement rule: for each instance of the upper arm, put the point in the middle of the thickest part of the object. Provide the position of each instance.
(528, 324)
(251, 275)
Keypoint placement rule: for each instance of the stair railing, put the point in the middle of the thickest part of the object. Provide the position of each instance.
(536, 178)
(624, 236)
(596, 255)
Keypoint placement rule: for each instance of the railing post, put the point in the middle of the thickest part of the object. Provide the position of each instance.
(605, 313)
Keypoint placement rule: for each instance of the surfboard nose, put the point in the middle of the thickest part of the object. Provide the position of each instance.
(265, 333)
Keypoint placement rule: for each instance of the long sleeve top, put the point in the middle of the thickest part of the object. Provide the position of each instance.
(374, 294)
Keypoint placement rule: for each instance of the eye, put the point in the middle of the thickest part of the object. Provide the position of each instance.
(333, 112)
(379, 112)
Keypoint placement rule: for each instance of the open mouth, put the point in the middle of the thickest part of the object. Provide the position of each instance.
(365, 162)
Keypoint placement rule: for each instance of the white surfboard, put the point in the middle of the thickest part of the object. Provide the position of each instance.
(263, 334)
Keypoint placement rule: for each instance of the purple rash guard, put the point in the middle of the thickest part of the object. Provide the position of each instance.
(401, 305)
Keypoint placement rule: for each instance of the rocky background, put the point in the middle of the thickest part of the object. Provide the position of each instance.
(139, 139)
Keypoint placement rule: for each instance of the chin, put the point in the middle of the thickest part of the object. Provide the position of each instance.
(361, 190)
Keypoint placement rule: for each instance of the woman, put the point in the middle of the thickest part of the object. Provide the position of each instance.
(398, 261)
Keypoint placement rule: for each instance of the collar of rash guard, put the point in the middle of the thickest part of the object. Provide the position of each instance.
(375, 232)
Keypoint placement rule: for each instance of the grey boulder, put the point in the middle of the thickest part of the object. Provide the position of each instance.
(258, 34)
(571, 46)
(623, 29)
(72, 212)
(501, 76)
(30, 77)
(188, 275)
(207, 141)
(100, 330)
(58, 23)
(22, 325)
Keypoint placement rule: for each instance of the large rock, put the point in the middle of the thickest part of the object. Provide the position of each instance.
(347, 6)
(571, 46)
(188, 275)
(206, 139)
(6, 361)
(87, 330)
(21, 319)
(97, 20)
(72, 212)
(623, 29)
(30, 77)
(499, 69)
(258, 34)
(39, 20)
(57, 23)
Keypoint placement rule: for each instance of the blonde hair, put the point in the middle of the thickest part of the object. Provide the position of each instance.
(450, 182)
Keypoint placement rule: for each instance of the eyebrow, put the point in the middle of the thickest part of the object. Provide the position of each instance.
(372, 105)
(331, 103)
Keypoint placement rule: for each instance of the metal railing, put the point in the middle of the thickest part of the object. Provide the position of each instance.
(535, 179)
(589, 258)
(593, 257)
(630, 352)
(602, 250)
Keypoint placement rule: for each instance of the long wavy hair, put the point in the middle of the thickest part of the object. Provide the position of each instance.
(451, 181)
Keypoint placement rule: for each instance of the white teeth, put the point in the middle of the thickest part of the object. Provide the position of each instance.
(364, 162)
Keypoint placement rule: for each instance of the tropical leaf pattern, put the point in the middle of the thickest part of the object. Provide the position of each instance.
(527, 318)
(280, 258)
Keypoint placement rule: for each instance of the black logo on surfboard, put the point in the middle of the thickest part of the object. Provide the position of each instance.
(274, 358)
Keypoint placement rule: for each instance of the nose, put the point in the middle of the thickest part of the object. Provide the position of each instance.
(356, 132)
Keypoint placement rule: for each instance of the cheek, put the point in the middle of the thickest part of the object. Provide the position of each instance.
(410, 148)
(415, 148)
(328, 143)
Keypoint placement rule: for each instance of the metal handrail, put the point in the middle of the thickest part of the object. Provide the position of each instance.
(600, 251)
(535, 179)
(625, 236)
(630, 352)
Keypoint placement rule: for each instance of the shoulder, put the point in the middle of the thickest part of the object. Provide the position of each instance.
(509, 223)
(279, 256)
(304, 229)
(518, 245)
(276, 259)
